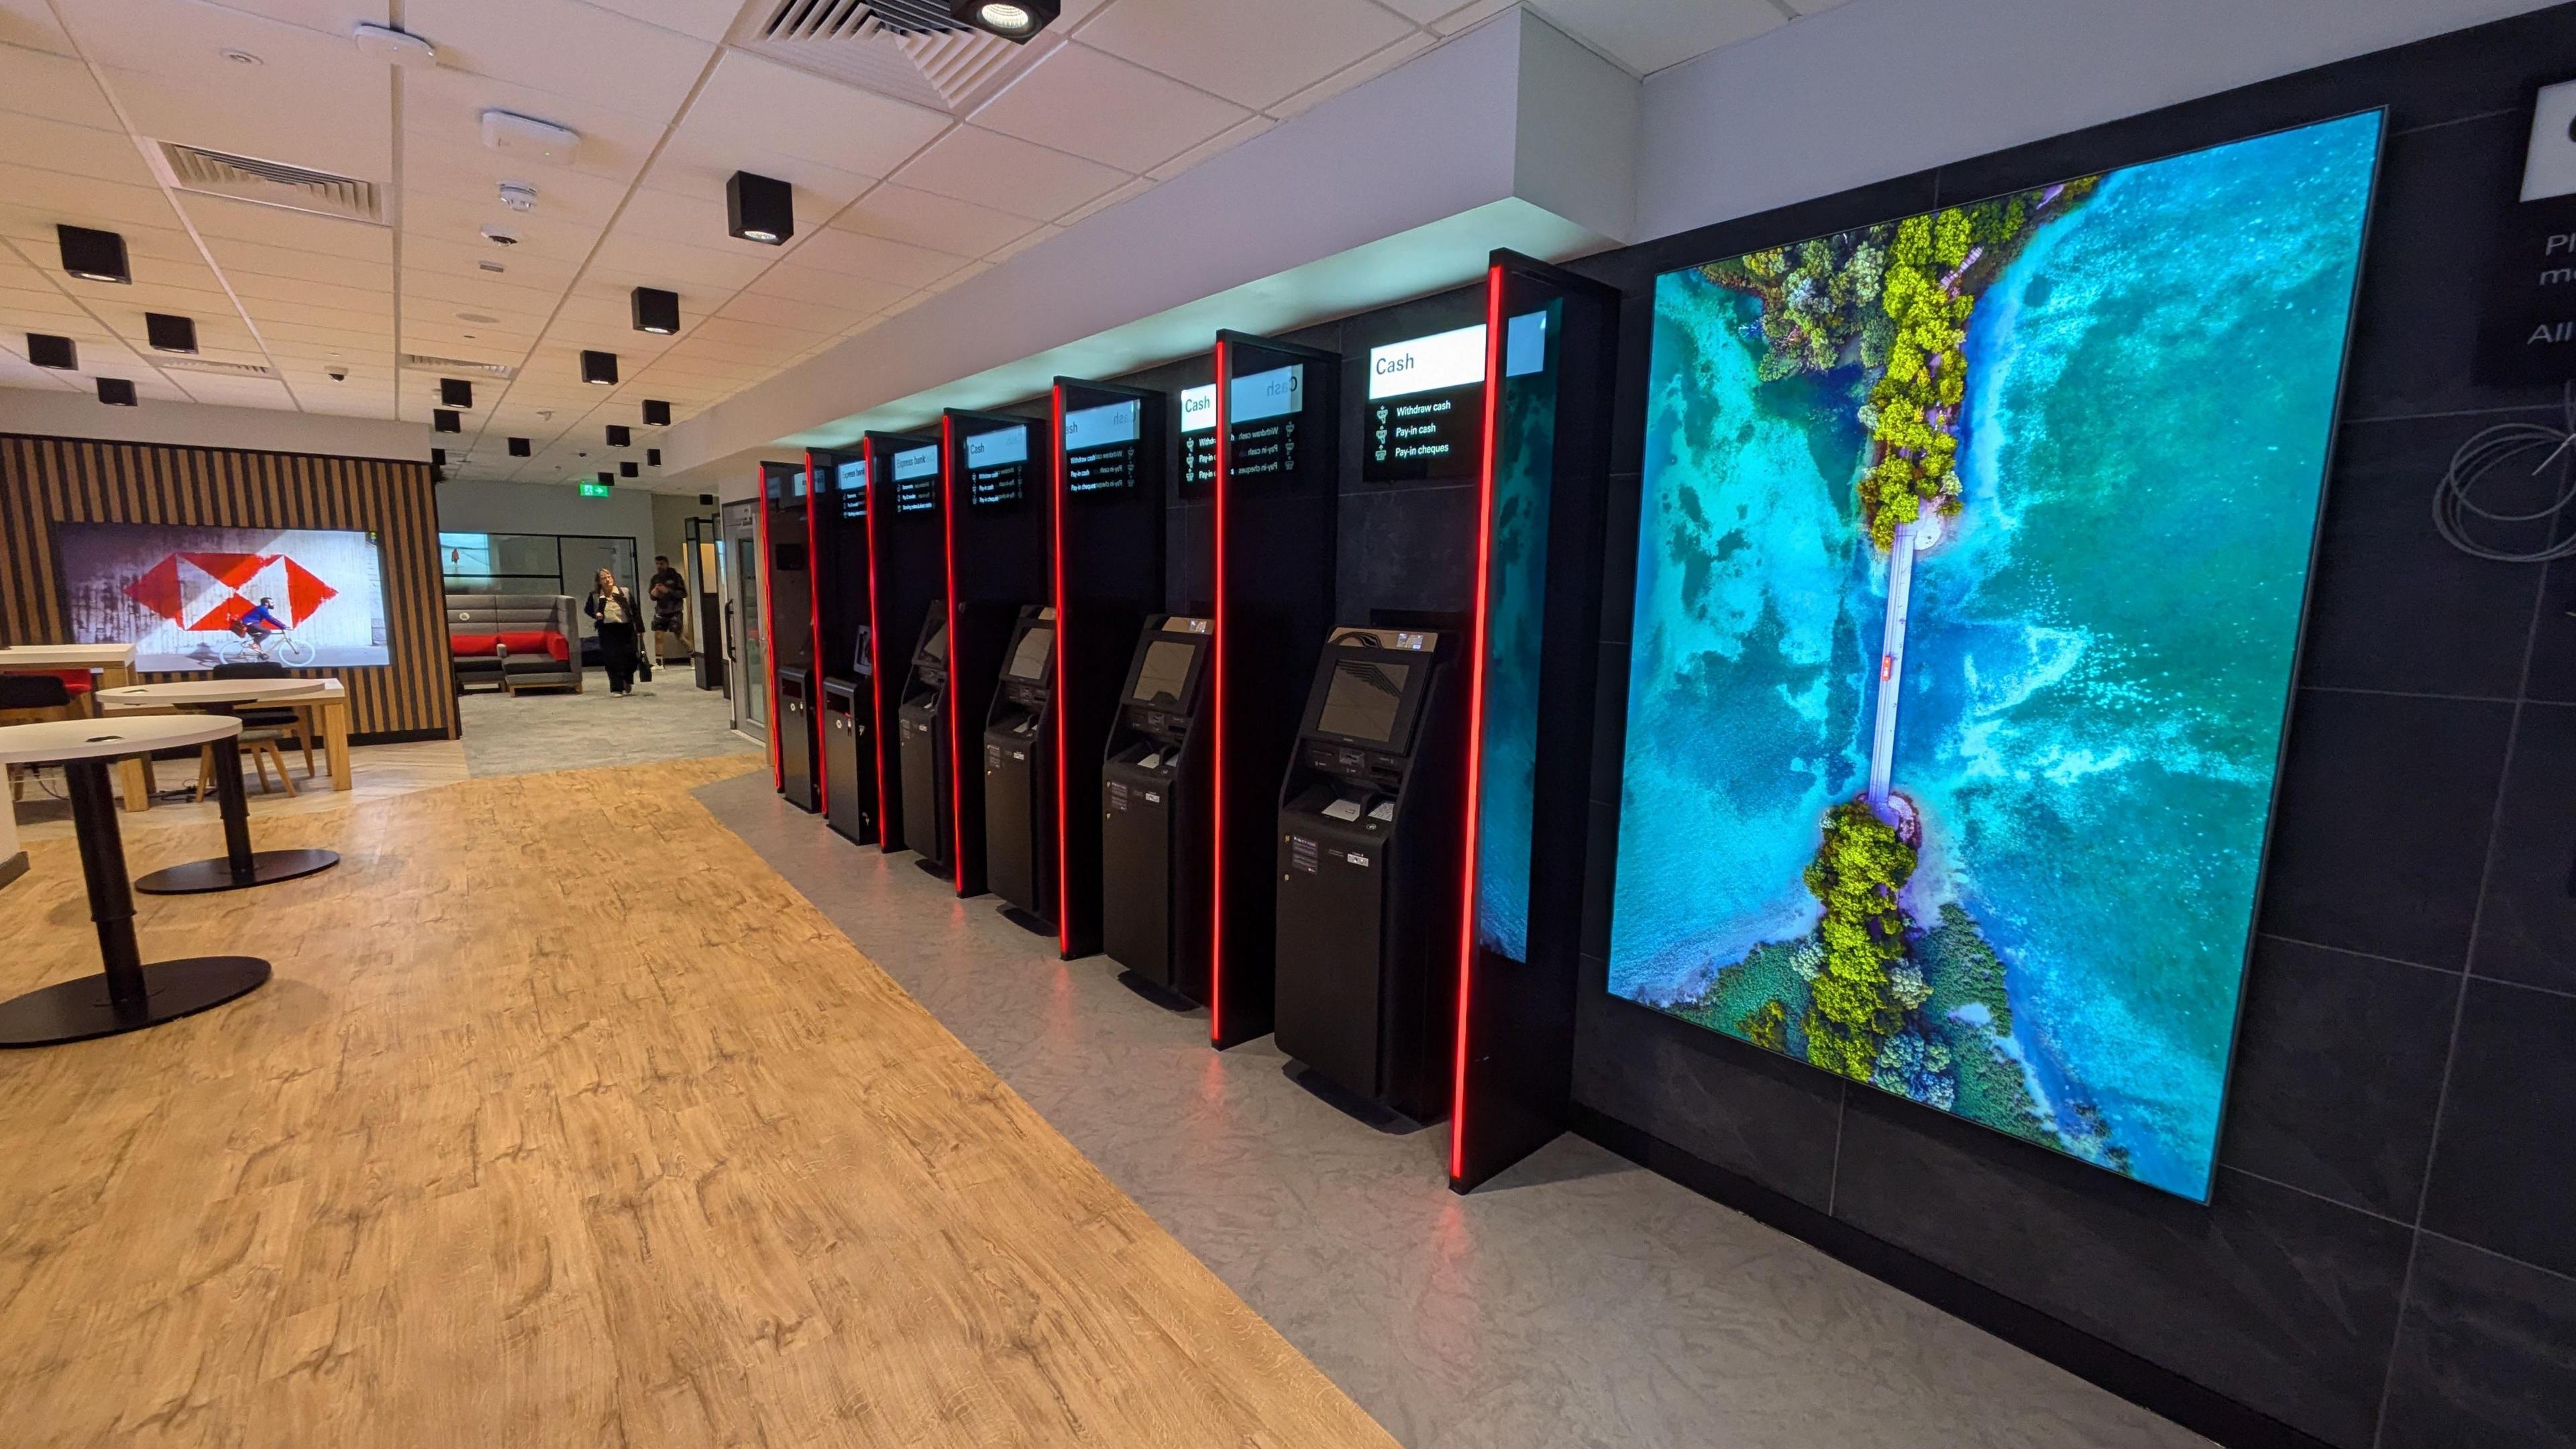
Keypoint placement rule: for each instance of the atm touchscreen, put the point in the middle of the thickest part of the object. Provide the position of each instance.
(936, 650)
(1164, 673)
(1362, 703)
(1030, 660)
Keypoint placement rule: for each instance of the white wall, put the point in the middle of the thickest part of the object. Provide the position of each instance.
(61, 413)
(1882, 88)
(486, 507)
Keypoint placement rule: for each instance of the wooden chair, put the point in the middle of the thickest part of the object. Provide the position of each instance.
(288, 721)
(260, 748)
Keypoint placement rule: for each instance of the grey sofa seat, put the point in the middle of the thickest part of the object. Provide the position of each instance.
(514, 641)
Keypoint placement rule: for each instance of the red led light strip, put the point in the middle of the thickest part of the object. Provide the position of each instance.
(1216, 877)
(1063, 709)
(769, 612)
(1476, 712)
(876, 640)
(956, 728)
(814, 643)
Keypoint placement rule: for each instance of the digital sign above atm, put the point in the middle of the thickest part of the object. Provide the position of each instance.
(916, 479)
(1261, 421)
(997, 467)
(850, 480)
(1101, 447)
(1426, 407)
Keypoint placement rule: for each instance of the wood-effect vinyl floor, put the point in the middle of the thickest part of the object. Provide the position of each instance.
(567, 1122)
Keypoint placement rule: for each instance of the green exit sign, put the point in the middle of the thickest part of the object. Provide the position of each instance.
(596, 490)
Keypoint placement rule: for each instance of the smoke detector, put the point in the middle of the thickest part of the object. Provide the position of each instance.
(392, 46)
(518, 196)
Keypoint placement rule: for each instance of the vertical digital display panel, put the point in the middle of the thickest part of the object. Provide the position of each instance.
(916, 478)
(1970, 567)
(1198, 436)
(997, 467)
(850, 481)
(1426, 408)
(1517, 518)
(1264, 422)
(1101, 447)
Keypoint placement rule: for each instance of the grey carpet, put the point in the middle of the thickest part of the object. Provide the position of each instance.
(669, 719)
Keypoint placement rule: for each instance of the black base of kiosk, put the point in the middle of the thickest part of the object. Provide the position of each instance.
(921, 743)
(1019, 776)
(1369, 825)
(1155, 818)
(796, 737)
(849, 764)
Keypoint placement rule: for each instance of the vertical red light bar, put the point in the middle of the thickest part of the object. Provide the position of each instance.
(769, 620)
(814, 641)
(876, 637)
(956, 729)
(1476, 711)
(1063, 710)
(1216, 877)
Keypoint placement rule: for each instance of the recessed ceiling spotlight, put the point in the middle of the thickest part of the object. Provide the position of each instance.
(518, 196)
(242, 57)
(500, 236)
(93, 256)
(759, 209)
(1013, 20)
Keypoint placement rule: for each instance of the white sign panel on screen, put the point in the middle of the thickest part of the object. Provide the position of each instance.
(1428, 364)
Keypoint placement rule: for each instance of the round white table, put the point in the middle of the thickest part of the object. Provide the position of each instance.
(241, 867)
(128, 995)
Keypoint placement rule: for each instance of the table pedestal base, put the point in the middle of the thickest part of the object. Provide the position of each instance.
(80, 1009)
(267, 867)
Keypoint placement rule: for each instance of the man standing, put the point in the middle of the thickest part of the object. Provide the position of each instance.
(670, 593)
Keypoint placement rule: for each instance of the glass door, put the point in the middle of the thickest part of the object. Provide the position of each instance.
(747, 652)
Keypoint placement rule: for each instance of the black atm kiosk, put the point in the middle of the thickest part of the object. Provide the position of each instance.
(1276, 488)
(1368, 860)
(1154, 816)
(996, 507)
(922, 729)
(840, 571)
(1019, 774)
(1110, 521)
(907, 580)
(791, 629)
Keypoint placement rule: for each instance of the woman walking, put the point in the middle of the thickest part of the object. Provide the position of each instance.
(613, 610)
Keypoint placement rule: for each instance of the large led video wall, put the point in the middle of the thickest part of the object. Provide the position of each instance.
(1970, 570)
(190, 597)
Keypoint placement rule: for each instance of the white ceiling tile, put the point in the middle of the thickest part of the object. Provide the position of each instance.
(110, 202)
(876, 259)
(966, 273)
(1366, 70)
(698, 163)
(1216, 145)
(1004, 254)
(47, 145)
(243, 225)
(1008, 174)
(1470, 15)
(1108, 110)
(695, 220)
(1252, 52)
(54, 86)
(706, 19)
(330, 17)
(564, 48)
(327, 119)
(790, 284)
(30, 25)
(463, 263)
(771, 106)
(234, 392)
(1647, 35)
(1420, 12)
(1134, 188)
(941, 223)
(767, 311)
(641, 260)
(446, 107)
(256, 288)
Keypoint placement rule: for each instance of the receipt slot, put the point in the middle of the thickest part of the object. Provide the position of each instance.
(1019, 775)
(1369, 827)
(922, 722)
(1155, 831)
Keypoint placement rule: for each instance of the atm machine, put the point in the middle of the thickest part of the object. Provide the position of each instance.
(797, 703)
(846, 763)
(998, 514)
(1370, 821)
(1019, 775)
(791, 629)
(923, 743)
(1156, 827)
(907, 577)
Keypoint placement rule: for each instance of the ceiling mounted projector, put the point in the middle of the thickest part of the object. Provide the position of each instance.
(392, 46)
(518, 135)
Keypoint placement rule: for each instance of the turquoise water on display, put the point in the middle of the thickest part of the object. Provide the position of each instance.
(1516, 627)
(2098, 653)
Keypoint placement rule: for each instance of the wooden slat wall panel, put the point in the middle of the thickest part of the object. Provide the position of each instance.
(45, 480)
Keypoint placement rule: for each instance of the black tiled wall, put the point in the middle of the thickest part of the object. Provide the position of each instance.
(2389, 1261)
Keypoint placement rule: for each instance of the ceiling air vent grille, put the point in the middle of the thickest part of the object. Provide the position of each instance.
(221, 369)
(267, 183)
(911, 50)
(422, 362)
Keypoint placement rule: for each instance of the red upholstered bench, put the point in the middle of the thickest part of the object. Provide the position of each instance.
(513, 641)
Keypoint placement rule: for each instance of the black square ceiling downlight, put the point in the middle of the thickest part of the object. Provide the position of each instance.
(438, 457)
(760, 209)
(626, 470)
(657, 414)
(653, 457)
(455, 392)
(49, 351)
(519, 448)
(607, 480)
(657, 311)
(116, 392)
(620, 436)
(443, 420)
(1016, 21)
(170, 334)
(93, 256)
(599, 367)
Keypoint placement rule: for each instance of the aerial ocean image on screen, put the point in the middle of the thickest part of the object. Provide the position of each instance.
(1970, 571)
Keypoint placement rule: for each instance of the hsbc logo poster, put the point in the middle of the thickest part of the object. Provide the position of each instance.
(188, 598)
